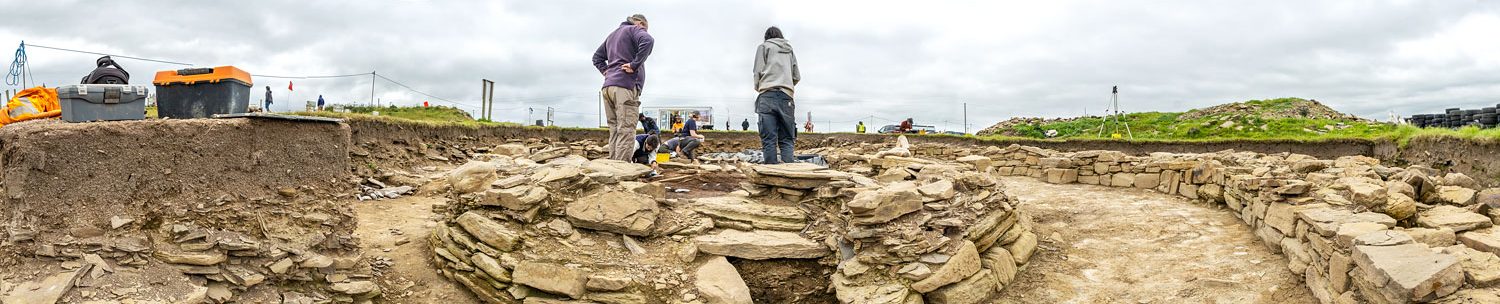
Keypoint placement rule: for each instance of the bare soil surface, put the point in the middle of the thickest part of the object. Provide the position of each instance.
(786, 280)
(699, 184)
(64, 178)
(396, 230)
(1124, 245)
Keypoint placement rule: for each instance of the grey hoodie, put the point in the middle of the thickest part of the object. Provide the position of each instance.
(776, 66)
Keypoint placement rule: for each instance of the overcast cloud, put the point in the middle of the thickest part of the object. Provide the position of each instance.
(877, 61)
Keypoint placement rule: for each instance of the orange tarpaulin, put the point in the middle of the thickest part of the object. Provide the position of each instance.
(33, 103)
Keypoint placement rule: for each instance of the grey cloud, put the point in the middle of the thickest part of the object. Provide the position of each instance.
(872, 60)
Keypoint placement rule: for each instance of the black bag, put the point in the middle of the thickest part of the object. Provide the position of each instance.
(107, 72)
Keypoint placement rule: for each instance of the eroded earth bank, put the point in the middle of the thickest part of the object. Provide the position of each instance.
(265, 211)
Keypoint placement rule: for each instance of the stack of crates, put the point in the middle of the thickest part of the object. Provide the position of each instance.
(1457, 118)
(1486, 117)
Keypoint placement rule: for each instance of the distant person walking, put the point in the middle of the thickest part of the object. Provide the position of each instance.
(808, 126)
(622, 61)
(267, 109)
(860, 128)
(776, 77)
(745, 125)
(649, 124)
(320, 102)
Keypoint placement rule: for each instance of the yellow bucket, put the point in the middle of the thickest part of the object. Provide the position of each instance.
(663, 157)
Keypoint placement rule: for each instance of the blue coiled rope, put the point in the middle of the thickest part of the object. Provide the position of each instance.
(18, 68)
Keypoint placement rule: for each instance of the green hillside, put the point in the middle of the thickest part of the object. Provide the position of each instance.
(440, 115)
(1283, 118)
(434, 114)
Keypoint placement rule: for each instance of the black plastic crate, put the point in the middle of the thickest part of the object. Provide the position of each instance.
(202, 92)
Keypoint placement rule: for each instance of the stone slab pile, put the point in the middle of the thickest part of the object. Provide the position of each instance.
(571, 230)
(941, 233)
(525, 226)
(205, 255)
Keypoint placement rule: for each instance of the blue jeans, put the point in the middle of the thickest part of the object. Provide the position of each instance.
(778, 126)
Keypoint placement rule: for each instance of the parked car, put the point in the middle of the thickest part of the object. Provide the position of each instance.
(918, 129)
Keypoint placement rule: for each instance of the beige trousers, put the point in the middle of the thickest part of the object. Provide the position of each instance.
(621, 107)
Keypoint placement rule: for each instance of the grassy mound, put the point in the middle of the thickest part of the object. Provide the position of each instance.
(1271, 108)
(435, 115)
(1159, 125)
(1284, 118)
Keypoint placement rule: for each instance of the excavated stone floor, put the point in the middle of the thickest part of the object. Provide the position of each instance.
(1200, 254)
(1125, 245)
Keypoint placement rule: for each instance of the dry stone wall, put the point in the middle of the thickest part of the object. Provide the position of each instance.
(1357, 231)
(178, 211)
(572, 230)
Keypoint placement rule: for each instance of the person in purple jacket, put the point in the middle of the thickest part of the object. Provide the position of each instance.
(622, 61)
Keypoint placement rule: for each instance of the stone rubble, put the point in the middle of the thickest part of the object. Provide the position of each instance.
(306, 256)
(1356, 230)
(889, 218)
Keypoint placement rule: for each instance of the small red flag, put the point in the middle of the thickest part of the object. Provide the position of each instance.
(289, 86)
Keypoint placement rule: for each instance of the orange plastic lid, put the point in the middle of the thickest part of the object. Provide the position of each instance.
(201, 75)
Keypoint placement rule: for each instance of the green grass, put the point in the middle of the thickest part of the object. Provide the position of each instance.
(1405, 134)
(1172, 126)
(1167, 126)
(1147, 127)
(437, 116)
(1280, 130)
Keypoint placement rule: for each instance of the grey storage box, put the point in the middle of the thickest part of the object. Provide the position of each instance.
(96, 102)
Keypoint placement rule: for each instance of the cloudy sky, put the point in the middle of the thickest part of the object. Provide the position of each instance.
(877, 61)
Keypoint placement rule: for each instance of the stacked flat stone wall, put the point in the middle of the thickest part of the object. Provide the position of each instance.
(527, 225)
(1357, 231)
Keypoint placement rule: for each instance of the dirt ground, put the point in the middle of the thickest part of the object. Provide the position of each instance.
(787, 281)
(699, 185)
(1113, 245)
(411, 278)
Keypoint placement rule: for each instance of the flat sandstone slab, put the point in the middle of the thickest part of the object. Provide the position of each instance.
(761, 245)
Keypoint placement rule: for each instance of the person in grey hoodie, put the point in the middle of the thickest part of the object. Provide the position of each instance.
(776, 78)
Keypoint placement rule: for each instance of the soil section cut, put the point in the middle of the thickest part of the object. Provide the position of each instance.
(393, 234)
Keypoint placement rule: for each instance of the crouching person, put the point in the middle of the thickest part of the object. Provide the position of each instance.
(685, 144)
(645, 151)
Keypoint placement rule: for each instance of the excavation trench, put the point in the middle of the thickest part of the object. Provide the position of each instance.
(250, 210)
(1124, 245)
